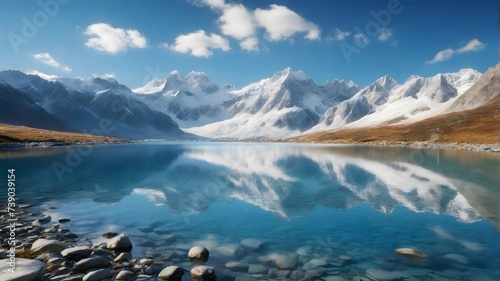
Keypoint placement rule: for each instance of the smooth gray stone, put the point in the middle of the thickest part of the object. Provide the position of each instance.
(91, 263)
(98, 275)
(25, 270)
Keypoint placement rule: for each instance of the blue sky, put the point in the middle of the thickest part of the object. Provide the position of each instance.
(240, 41)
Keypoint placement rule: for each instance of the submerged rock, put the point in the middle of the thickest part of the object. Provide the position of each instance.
(198, 255)
(409, 252)
(457, 258)
(250, 244)
(109, 234)
(381, 275)
(237, 266)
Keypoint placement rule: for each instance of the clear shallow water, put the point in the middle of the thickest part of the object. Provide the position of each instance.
(301, 201)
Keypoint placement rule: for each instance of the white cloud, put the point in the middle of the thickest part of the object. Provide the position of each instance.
(47, 59)
(250, 44)
(385, 34)
(361, 39)
(282, 23)
(215, 4)
(104, 37)
(474, 45)
(339, 35)
(42, 75)
(199, 44)
(236, 21)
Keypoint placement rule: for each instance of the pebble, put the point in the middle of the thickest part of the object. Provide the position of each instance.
(125, 275)
(203, 273)
(171, 273)
(109, 234)
(75, 253)
(91, 263)
(98, 275)
(409, 252)
(123, 257)
(64, 220)
(198, 255)
(120, 244)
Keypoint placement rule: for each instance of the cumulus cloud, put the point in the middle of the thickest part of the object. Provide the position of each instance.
(199, 44)
(104, 37)
(339, 35)
(239, 22)
(282, 23)
(361, 39)
(473, 45)
(47, 59)
(385, 34)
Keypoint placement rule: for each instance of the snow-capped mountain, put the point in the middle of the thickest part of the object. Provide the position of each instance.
(387, 102)
(286, 104)
(192, 100)
(97, 106)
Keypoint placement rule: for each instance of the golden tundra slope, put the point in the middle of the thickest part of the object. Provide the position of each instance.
(16, 134)
(480, 124)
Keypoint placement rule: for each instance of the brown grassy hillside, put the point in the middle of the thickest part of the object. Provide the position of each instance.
(480, 125)
(16, 134)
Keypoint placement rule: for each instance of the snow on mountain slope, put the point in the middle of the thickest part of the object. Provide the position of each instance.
(286, 104)
(86, 104)
(483, 91)
(192, 100)
(386, 102)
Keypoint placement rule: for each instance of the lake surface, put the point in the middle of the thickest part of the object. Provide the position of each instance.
(318, 210)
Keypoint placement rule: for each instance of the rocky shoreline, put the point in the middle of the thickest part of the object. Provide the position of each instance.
(47, 250)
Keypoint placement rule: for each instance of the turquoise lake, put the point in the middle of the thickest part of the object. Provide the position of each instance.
(346, 207)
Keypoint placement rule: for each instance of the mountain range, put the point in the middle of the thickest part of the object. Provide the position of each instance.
(287, 104)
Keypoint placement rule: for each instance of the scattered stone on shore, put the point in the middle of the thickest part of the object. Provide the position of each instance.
(98, 275)
(203, 273)
(48, 246)
(171, 273)
(198, 255)
(26, 270)
(125, 275)
(123, 257)
(250, 244)
(120, 244)
(77, 253)
(409, 252)
(91, 263)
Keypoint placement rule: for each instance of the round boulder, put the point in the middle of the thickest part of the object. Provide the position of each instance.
(171, 273)
(198, 255)
(203, 273)
(48, 246)
(25, 269)
(120, 244)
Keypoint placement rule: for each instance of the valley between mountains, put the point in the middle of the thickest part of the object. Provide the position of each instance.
(460, 107)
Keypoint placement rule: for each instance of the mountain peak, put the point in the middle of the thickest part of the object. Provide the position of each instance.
(289, 73)
(387, 82)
